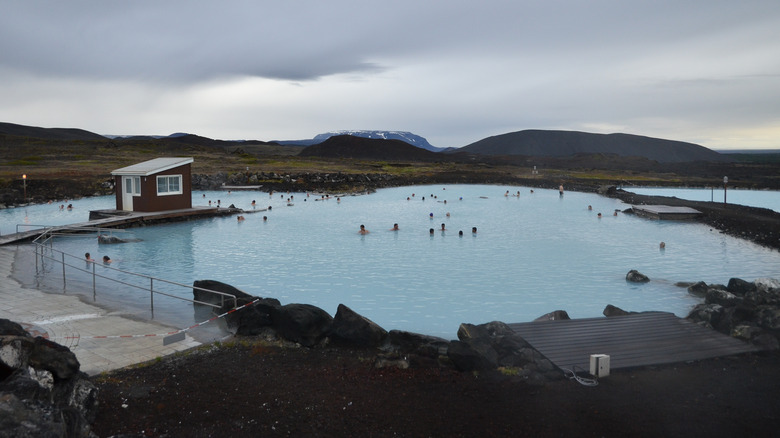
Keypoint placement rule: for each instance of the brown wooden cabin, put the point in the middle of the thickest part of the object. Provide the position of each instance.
(156, 185)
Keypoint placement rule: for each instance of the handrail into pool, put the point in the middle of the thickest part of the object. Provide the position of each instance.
(47, 252)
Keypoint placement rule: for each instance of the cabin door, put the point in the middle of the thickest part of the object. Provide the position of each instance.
(129, 189)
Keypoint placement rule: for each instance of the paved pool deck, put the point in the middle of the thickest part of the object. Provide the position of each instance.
(102, 340)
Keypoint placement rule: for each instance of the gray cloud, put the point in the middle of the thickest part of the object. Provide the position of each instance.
(453, 71)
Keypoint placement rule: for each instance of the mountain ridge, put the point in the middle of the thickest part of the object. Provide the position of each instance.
(559, 143)
(350, 146)
(405, 136)
(528, 143)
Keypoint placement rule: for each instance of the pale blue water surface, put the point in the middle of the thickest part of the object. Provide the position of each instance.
(533, 253)
(754, 198)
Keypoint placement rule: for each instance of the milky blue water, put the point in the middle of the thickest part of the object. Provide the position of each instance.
(755, 198)
(532, 254)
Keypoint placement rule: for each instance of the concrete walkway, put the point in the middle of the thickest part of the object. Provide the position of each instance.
(101, 340)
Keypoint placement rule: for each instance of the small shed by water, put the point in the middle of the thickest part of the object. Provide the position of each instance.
(155, 185)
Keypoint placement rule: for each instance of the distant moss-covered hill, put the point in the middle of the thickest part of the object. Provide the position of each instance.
(545, 143)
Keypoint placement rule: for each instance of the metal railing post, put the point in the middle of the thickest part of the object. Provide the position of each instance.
(94, 288)
(151, 294)
(64, 285)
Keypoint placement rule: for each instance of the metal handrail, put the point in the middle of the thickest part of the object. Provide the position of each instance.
(31, 225)
(47, 236)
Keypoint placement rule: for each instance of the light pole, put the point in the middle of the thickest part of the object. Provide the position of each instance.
(725, 182)
(24, 184)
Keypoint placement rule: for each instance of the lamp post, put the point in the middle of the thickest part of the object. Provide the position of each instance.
(24, 184)
(725, 182)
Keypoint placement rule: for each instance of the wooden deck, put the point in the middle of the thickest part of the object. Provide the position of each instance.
(126, 219)
(633, 340)
(666, 212)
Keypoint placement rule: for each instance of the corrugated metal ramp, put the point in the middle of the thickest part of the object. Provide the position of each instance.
(633, 340)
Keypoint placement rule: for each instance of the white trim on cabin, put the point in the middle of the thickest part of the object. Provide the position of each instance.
(151, 167)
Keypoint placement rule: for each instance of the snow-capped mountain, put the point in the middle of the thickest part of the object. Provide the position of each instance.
(408, 137)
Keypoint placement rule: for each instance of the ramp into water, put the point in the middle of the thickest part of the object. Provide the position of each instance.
(666, 212)
(640, 339)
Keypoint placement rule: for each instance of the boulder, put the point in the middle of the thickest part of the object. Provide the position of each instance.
(11, 328)
(635, 276)
(253, 319)
(708, 315)
(476, 355)
(763, 296)
(514, 351)
(350, 328)
(611, 310)
(749, 311)
(487, 346)
(698, 289)
(212, 285)
(555, 315)
(471, 331)
(767, 283)
(740, 287)
(768, 317)
(756, 336)
(403, 342)
(722, 297)
(42, 391)
(53, 357)
(301, 323)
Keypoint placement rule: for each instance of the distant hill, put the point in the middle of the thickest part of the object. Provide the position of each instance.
(48, 133)
(408, 137)
(543, 143)
(350, 146)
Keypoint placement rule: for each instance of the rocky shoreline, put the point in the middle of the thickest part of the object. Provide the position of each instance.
(43, 393)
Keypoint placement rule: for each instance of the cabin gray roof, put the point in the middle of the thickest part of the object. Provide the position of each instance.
(153, 166)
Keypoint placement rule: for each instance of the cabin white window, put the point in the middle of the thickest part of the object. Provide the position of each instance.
(169, 185)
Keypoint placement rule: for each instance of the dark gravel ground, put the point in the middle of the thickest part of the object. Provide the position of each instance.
(257, 390)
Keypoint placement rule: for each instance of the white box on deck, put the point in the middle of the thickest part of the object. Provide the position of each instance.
(599, 365)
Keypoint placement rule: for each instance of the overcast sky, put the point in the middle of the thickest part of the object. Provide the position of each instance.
(453, 71)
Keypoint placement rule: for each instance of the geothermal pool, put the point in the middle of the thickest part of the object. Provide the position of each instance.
(534, 252)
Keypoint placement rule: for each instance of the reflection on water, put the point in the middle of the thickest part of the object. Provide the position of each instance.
(532, 254)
